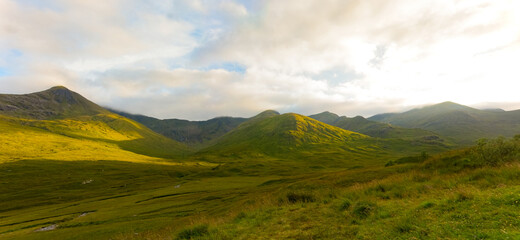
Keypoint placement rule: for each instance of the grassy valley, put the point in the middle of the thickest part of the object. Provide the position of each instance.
(73, 170)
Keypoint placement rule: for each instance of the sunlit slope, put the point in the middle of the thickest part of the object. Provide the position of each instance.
(273, 134)
(461, 123)
(19, 141)
(63, 112)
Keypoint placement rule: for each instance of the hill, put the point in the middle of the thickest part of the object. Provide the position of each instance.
(460, 123)
(56, 102)
(193, 133)
(376, 129)
(64, 113)
(273, 134)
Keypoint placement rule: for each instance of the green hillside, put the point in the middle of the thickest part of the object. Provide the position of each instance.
(461, 123)
(464, 194)
(293, 136)
(192, 133)
(272, 134)
(59, 111)
(376, 129)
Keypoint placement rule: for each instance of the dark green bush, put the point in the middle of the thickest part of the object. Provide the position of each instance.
(496, 151)
(364, 209)
(295, 197)
(196, 231)
(345, 205)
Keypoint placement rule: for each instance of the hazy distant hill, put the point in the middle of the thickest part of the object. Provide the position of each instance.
(373, 128)
(461, 123)
(189, 132)
(68, 114)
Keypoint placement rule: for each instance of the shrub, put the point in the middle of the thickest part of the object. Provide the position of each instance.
(426, 204)
(196, 231)
(345, 205)
(496, 151)
(364, 209)
(304, 197)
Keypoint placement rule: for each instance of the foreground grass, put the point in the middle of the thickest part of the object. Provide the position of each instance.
(465, 194)
(322, 194)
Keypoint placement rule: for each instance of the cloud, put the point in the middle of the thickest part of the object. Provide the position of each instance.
(205, 58)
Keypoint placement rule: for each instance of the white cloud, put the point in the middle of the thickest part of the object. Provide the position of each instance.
(162, 58)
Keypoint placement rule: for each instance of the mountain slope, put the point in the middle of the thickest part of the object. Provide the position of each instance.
(66, 113)
(272, 134)
(56, 102)
(373, 128)
(192, 133)
(461, 123)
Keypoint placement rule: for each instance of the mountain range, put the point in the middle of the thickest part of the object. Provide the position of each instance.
(64, 112)
(462, 124)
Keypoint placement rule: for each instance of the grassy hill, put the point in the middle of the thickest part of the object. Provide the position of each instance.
(66, 115)
(461, 123)
(376, 129)
(297, 137)
(273, 134)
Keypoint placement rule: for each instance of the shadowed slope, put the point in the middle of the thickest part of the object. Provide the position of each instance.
(193, 133)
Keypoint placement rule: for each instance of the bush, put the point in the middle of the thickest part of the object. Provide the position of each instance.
(364, 209)
(496, 151)
(304, 197)
(426, 204)
(196, 231)
(345, 205)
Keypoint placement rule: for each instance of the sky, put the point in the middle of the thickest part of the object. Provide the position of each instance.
(198, 59)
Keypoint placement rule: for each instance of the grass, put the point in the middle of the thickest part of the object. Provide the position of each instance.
(128, 200)
(286, 176)
(415, 202)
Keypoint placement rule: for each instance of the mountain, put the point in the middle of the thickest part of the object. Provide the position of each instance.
(57, 102)
(193, 133)
(270, 133)
(66, 116)
(461, 123)
(326, 117)
(373, 128)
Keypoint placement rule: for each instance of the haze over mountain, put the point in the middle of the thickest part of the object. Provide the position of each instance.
(461, 123)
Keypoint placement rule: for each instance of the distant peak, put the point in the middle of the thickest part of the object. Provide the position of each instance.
(58, 88)
(268, 113)
(448, 103)
(328, 113)
(449, 106)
